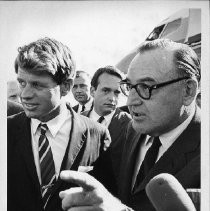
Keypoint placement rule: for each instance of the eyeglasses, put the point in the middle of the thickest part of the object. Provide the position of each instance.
(144, 90)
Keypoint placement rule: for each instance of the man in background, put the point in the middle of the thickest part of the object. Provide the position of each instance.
(13, 91)
(162, 85)
(81, 92)
(105, 90)
(48, 136)
(13, 100)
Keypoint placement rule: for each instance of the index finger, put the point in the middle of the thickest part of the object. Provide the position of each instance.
(82, 179)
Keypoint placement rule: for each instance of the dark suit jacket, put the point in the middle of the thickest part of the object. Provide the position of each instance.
(87, 140)
(118, 123)
(115, 169)
(13, 108)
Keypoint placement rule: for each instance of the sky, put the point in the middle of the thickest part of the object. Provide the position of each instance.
(99, 33)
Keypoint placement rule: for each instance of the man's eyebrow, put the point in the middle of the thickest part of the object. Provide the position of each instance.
(147, 79)
(108, 88)
(141, 80)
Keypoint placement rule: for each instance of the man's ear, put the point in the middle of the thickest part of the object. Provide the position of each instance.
(92, 91)
(66, 86)
(190, 91)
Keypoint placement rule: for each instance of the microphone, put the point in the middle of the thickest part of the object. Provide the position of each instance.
(167, 194)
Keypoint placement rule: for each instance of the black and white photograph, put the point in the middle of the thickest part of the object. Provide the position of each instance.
(105, 105)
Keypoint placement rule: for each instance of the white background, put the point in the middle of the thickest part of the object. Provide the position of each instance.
(99, 33)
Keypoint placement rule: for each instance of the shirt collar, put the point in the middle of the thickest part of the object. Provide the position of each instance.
(94, 115)
(167, 139)
(107, 118)
(87, 105)
(54, 124)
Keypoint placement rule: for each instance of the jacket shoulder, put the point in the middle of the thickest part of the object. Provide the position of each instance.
(16, 118)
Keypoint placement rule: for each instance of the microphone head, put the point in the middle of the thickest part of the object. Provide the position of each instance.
(167, 194)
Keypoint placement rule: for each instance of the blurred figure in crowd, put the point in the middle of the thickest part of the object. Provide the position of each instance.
(81, 92)
(13, 91)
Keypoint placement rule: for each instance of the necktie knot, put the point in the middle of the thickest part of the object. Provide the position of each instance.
(43, 128)
(100, 120)
(83, 108)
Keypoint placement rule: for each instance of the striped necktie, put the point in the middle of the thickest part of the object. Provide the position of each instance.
(47, 166)
(101, 119)
(148, 162)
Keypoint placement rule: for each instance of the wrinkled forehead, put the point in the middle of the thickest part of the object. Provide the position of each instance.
(156, 64)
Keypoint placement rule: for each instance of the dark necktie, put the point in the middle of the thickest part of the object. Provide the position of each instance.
(148, 162)
(83, 108)
(47, 166)
(100, 120)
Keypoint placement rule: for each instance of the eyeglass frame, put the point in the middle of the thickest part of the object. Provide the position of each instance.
(150, 88)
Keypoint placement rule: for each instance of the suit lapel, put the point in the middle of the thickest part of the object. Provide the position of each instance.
(76, 140)
(128, 160)
(25, 148)
(114, 125)
(175, 158)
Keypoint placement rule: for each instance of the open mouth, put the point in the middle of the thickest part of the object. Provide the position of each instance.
(137, 114)
(109, 105)
(30, 106)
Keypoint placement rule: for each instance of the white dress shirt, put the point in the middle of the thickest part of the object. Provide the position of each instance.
(57, 135)
(88, 106)
(107, 119)
(166, 140)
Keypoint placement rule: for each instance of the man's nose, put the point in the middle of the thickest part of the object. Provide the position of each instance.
(79, 89)
(27, 92)
(112, 97)
(133, 98)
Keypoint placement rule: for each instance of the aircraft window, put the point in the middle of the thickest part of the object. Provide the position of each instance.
(155, 33)
(172, 26)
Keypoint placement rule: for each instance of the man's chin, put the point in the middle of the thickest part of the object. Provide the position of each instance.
(30, 114)
(137, 127)
(108, 111)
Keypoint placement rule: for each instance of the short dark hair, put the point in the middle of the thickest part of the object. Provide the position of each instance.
(81, 72)
(49, 56)
(111, 70)
(186, 60)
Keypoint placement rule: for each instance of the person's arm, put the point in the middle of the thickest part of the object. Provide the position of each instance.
(90, 195)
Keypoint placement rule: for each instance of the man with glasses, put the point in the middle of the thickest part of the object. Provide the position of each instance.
(163, 137)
